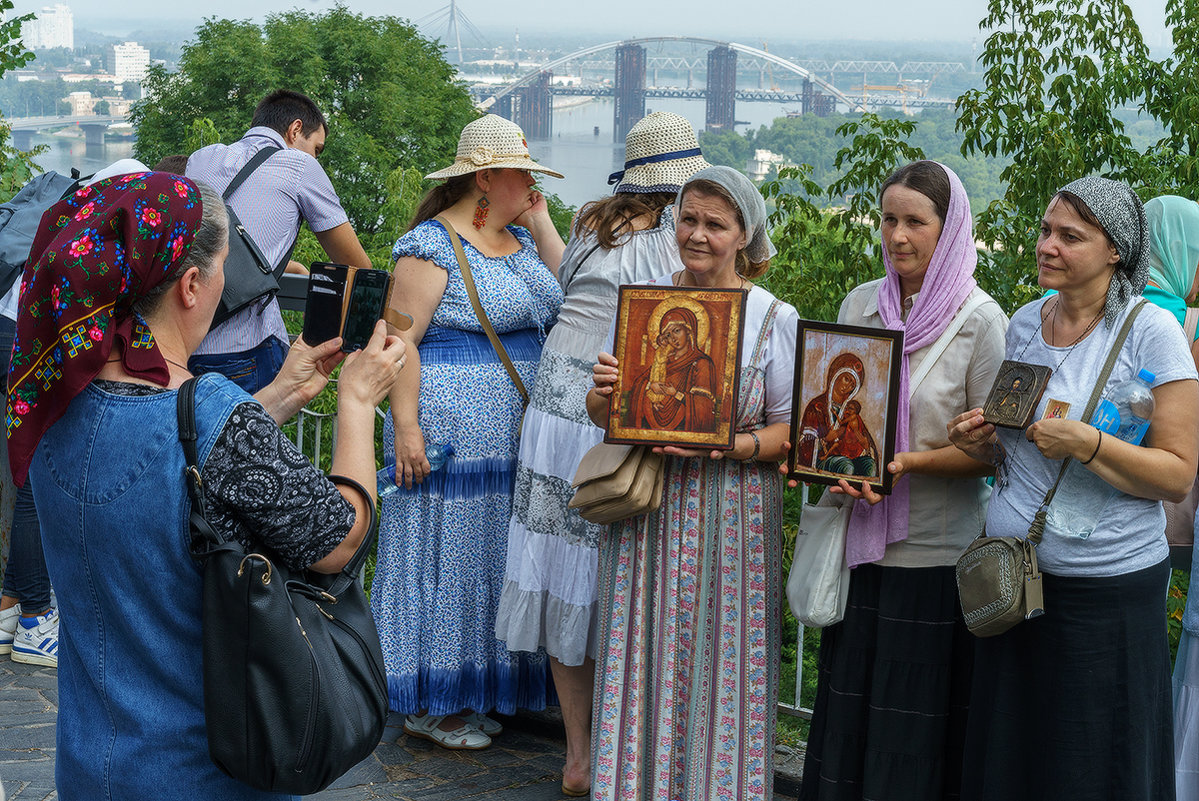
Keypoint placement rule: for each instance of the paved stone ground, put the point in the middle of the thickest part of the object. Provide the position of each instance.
(524, 764)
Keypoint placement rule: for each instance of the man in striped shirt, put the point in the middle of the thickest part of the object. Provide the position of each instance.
(286, 189)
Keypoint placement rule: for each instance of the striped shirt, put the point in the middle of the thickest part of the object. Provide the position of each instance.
(286, 189)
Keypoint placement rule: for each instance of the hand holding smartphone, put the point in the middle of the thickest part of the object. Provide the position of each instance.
(348, 301)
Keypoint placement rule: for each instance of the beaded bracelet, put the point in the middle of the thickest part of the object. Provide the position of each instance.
(1096, 451)
(757, 446)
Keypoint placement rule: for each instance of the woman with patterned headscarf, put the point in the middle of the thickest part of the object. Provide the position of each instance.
(1076, 703)
(121, 286)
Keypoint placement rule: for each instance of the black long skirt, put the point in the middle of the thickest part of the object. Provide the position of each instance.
(891, 701)
(1076, 704)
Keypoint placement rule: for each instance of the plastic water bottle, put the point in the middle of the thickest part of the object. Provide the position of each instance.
(1126, 409)
(436, 454)
(1082, 497)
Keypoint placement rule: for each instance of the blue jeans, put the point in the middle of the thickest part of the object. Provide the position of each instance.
(26, 578)
(251, 369)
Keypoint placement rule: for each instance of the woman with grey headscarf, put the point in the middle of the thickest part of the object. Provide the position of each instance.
(1076, 703)
(687, 671)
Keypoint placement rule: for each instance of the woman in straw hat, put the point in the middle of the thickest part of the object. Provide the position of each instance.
(689, 593)
(443, 536)
(549, 592)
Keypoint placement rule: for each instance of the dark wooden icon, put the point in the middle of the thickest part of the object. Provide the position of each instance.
(1013, 399)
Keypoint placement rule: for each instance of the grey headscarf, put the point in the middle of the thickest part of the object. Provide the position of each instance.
(1122, 215)
(749, 202)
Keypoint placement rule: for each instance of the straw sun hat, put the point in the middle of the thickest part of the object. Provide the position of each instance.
(491, 142)
(661, 153)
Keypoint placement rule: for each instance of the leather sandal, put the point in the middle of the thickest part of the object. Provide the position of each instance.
(463, 738)
(573, 793)
(490, 727)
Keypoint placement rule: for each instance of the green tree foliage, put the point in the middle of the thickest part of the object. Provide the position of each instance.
(16, 166)
(1055, 73)
(388, 93)
(825, 253)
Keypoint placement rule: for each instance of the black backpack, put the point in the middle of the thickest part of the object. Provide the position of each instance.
(248, 275)
(20, 220)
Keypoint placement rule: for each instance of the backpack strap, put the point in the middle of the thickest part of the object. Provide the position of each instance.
(244, 172)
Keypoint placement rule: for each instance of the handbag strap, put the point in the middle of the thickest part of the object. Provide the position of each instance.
(938, 347)
(206, 539)
(469, 280)
(1190, 322)
(1038, 522)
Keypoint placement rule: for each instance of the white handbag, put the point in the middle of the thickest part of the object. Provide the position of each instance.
(818, 586)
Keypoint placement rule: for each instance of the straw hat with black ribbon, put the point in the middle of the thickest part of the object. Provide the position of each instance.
(661, 153)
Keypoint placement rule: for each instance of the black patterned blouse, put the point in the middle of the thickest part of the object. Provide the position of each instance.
(261, 489)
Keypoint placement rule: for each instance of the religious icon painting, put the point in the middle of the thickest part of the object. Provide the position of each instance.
(1016, 394)
(844, 404)
(679, 350)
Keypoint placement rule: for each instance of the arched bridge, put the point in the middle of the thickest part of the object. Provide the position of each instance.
(529, 99)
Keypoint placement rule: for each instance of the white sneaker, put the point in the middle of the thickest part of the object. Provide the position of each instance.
(37, 644)
(8, 627)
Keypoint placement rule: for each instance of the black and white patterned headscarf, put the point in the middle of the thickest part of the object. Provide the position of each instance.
(1122, 216)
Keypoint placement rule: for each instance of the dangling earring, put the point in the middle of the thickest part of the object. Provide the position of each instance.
(481, 213)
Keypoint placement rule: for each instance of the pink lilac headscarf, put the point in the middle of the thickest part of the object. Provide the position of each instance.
(949, 279)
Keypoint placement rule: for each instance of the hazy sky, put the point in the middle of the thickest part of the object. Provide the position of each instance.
(748, 23)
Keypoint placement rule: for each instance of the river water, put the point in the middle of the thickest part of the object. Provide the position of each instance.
(575, 149)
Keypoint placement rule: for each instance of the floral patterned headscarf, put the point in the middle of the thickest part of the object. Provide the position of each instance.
(97, 252)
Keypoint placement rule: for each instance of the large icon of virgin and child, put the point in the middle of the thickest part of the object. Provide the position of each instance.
(833, 436)
(844, 404)
(679, 351)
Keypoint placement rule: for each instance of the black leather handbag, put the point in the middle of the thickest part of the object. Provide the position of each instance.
(295, 692)
(248, 275)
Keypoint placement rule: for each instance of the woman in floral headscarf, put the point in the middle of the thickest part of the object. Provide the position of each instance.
(120, 288)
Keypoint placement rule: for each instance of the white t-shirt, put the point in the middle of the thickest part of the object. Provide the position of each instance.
(1131, 532)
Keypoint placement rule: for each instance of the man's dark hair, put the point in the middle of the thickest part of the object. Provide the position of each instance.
(174, 164)
(282, 107)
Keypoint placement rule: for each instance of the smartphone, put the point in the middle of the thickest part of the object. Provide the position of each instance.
(322, 309)
(368, 297)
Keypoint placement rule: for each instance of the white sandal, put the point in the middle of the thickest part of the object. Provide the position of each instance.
(463, 738)
(490, 727)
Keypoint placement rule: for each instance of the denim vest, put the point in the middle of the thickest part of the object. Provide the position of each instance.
(108, 477)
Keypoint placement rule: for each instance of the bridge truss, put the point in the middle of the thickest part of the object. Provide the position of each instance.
(630, 90)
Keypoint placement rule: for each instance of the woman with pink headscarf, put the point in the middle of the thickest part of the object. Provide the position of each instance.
(894, 680)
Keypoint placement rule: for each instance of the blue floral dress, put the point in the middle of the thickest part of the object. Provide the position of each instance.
(442, 545)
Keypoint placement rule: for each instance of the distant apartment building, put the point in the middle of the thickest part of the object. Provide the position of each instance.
(53, 26)
(128, 62)
(82, 103)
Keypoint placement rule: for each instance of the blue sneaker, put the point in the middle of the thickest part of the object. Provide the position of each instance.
(36, 640)
(8, 627)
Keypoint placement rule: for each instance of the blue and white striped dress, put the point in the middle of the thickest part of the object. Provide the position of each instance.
(442, 545)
